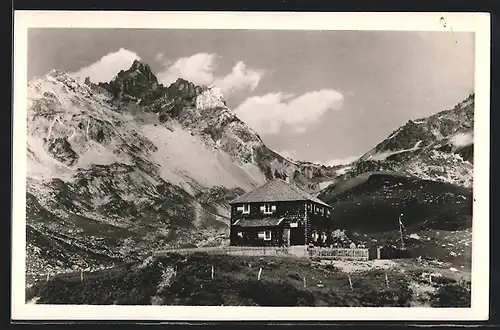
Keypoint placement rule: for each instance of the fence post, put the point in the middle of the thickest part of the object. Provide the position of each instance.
(350, 282)
(81, 275)
(260, 272)
(430, 279)
(212, 272)
(305, 284)
(48, 275)
(386, 280)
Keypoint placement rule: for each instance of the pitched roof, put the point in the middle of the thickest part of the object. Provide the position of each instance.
(276, 190)
(263, 222)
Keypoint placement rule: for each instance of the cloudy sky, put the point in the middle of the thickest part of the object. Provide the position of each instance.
(323, 96)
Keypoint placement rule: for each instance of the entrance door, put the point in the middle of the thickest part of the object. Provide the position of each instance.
(297, 236)
(286, 237)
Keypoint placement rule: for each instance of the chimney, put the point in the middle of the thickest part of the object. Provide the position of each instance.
(287, 179)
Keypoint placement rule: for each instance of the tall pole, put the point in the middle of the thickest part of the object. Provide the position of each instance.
(401, 231)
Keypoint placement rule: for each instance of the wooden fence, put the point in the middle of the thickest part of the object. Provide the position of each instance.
(342, 254)
(313, 253)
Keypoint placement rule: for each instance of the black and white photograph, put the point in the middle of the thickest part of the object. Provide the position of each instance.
(250, 166)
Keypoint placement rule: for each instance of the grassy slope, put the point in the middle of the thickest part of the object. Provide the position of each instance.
(235, 283)
(373, 202)
(437, 216)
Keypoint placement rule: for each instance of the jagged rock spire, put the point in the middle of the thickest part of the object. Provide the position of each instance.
(137, 84)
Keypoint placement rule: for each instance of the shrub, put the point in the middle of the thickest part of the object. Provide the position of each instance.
(452, 295)
(266, 293)
(331, 268)
(335, 299)
(443, 280)
(392, 297)
(127, 287)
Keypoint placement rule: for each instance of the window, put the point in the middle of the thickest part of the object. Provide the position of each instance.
(246, 209)
(315, 235)
(268, 208)
(309, 207)
(240, 234)
(327, 212)
(265, 235)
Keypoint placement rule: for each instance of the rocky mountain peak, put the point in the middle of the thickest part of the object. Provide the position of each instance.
(137, 84)
(140, 66)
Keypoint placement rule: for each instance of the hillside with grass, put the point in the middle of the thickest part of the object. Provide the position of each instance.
(373, 202)
(436, 216)
(179, 280)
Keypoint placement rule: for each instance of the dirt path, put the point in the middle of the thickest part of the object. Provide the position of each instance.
(348, 266)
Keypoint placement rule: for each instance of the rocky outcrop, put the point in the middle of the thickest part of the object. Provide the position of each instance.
(60, 149)
(210, 99)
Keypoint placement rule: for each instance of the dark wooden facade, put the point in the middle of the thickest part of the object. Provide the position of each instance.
(289, 223)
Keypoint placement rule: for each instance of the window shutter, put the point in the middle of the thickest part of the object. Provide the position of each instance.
(273, 208)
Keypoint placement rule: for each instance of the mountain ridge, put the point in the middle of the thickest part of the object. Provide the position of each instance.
(439, 147)
(122, 168)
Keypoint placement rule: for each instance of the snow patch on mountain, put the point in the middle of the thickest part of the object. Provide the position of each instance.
(443, 167)
(325, 184)
(394, 133)
(462, 139)
(97, 154)
(383, 155)
(40, 165)
(342, 170)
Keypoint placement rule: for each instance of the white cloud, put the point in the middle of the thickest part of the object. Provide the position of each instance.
(293, 154)
(240, 77)
(200, 69)
(267, 114)
(108, 66)
(197, 68)
(340, 161)
(159, 57)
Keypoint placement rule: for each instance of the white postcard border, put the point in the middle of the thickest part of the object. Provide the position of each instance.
(451, 22)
